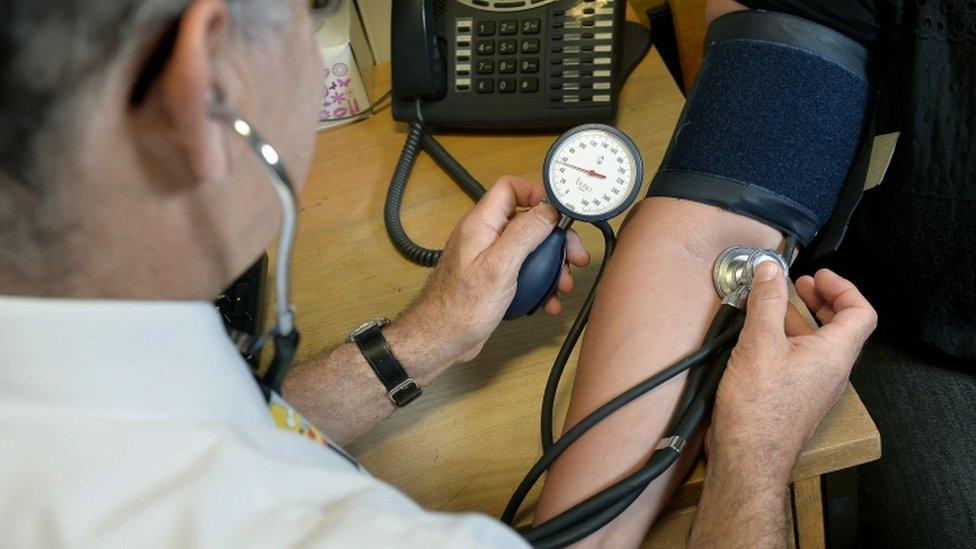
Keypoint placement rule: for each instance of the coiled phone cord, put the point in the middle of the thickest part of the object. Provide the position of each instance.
(417, 139)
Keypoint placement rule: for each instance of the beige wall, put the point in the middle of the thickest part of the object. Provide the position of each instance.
(376, 20)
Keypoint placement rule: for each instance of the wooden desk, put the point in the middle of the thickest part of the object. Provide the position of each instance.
(465, 445)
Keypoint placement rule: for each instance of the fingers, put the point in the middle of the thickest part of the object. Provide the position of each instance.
(522, 235)
(500, 202)
(853, 317)
(553, 306)
(806, 288)
(796, 325)
(565, 284)
(576, 253)
(766, 311)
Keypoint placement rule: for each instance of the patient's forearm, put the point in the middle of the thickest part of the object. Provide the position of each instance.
(652, 308)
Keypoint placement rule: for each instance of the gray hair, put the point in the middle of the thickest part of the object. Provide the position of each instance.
(50, 49)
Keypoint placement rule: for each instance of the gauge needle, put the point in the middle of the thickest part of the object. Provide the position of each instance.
(590, 173)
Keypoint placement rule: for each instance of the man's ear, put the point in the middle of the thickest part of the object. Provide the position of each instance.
(186, 85)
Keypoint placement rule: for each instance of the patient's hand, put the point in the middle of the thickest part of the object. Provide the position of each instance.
(782, 381)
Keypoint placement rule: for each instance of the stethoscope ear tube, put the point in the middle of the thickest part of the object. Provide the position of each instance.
(284, 333)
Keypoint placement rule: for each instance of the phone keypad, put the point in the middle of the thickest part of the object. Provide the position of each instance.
(504, 51)
(566, 56)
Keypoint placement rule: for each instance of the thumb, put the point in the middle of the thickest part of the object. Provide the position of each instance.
(523, 234)
(768, 299)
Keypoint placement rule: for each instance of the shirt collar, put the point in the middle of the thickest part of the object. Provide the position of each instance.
(147, 358)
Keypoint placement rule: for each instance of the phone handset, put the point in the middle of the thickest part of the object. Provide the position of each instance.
(419, 67)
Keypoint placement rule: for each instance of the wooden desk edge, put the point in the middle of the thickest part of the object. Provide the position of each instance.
(863, 445)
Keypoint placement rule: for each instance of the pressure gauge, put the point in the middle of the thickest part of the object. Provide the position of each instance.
(593, 173)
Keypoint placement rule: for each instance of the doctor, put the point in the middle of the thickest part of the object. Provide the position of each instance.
(127, 416)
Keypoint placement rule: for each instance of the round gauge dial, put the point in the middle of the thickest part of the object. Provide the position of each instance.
(593, 172)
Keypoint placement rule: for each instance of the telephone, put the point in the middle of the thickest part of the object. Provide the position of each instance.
(507, 64)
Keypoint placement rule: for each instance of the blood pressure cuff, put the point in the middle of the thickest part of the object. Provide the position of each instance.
(773, 123)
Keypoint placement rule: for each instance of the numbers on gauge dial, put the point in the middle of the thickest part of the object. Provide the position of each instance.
(592, 172)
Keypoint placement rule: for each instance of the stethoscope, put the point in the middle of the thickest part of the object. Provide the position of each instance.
(593, 173)
(284, 334)
(576, 163)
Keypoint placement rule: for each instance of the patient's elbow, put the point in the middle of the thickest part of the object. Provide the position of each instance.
(696, 231)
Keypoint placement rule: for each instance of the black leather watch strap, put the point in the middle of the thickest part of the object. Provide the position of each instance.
(400, 387)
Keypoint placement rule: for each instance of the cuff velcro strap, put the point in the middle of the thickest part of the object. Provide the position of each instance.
(773, 123)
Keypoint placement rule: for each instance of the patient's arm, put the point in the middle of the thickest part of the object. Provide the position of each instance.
(652, 308)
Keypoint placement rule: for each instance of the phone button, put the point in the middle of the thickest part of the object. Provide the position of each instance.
(506, 66)
(486, 66)
(528, 85)
(531, 26)
(530, 45)
(486, 28)
(485, 47)
(484, 85)
(506, 85)
(529, 65)
(507, 47)
(508, 26)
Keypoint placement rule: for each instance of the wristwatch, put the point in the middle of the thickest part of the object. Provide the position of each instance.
(401, 388)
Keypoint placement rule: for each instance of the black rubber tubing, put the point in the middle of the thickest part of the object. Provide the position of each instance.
(596, 511)
(707, 350)
(576, 531)
(559, 364)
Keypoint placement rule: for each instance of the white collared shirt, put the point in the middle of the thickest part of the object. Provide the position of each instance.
(137, 424)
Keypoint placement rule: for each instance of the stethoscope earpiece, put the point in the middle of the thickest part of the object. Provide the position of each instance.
(284, 333)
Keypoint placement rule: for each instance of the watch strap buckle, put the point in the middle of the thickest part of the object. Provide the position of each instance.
(405, 392)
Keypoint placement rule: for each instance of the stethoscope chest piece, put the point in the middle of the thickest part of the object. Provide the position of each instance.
(734, 268)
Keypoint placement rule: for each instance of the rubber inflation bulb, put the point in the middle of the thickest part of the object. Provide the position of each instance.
(538, 276)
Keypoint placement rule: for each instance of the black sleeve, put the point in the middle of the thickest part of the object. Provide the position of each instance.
(857, 19)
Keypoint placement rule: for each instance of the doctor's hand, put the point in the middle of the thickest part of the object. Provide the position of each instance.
(784, 376)
(474, 283)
